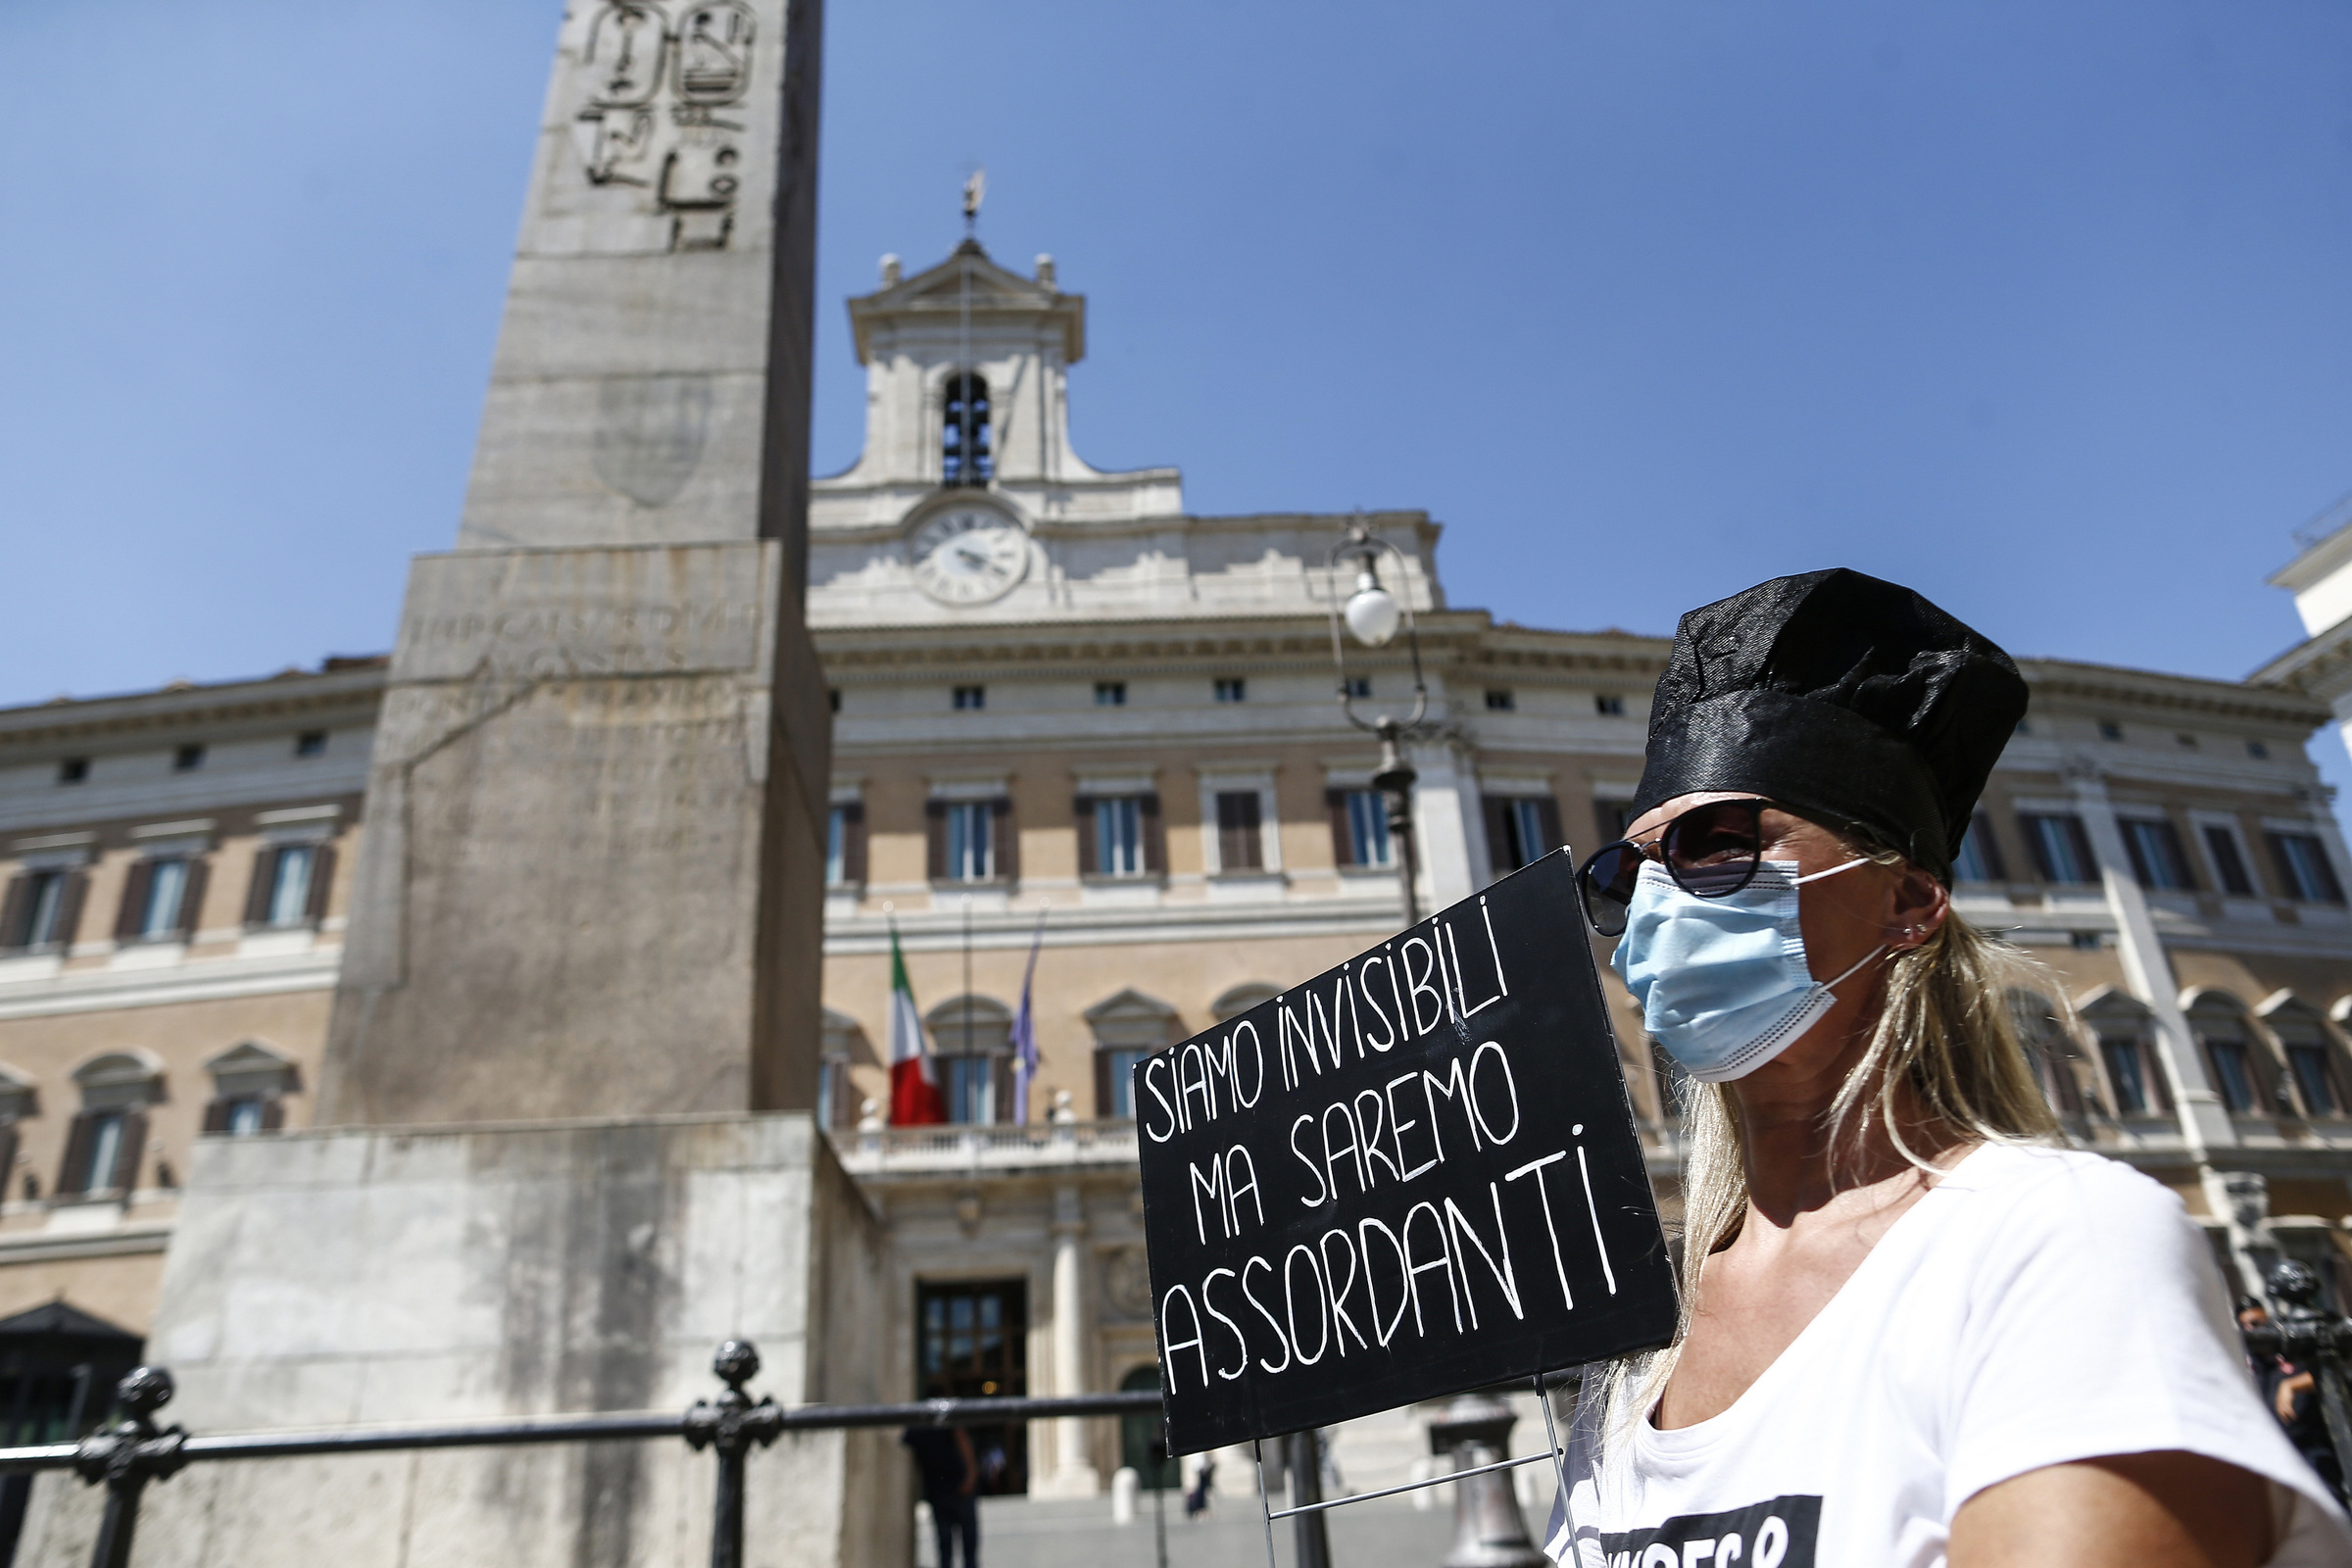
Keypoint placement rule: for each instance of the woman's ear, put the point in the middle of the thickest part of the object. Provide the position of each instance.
(1916, 908)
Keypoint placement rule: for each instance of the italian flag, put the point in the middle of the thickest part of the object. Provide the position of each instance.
(913, 1082)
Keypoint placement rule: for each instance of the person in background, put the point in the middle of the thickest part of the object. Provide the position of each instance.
(1918, 1332)
(951, 1477)
(1196, 1499)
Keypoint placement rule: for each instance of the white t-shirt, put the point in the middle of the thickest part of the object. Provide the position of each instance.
(2038, 1306)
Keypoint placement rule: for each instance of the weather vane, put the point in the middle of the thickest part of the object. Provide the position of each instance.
(975, 189)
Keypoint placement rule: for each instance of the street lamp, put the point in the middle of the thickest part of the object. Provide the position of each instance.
(1372, 616)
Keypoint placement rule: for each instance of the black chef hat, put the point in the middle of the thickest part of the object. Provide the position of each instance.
(1842, 698)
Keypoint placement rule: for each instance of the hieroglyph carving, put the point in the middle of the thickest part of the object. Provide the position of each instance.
(651, 111)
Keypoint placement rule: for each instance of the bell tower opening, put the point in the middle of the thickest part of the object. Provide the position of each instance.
(964, 454)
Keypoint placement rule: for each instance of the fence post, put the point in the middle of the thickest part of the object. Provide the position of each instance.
(127, 1457)
(731, 1424)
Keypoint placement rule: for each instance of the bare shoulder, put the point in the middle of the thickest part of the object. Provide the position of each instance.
(2135, 1511)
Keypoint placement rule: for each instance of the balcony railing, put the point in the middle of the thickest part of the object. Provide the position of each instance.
(962, 1145)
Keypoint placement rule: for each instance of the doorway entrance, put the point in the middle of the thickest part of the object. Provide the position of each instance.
(972, 1342)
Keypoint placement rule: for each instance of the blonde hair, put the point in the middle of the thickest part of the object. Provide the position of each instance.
(1947, 1037)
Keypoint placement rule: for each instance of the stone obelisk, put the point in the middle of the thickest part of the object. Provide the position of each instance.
(562, 1147)
(592, 877)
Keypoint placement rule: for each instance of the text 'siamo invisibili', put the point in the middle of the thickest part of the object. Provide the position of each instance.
(1414, 1174)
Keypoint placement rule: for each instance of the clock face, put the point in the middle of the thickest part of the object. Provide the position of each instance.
(967, 555)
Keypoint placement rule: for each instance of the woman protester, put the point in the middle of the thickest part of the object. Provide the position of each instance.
(1916, 1330)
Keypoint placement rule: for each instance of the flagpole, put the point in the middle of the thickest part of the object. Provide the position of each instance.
(1024, 1025)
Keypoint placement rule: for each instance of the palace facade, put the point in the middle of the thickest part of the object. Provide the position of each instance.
(1068, 711)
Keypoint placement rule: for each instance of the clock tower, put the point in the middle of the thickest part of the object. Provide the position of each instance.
(967, 483)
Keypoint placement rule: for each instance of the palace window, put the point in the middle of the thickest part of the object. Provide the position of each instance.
(844, 843)
(971, 840)
(1360, 685)
(2061, 847)
(969, 699)
(1110, 693)
(1520, 830)
(2157, 857)
(105, 1144)
(2110, 730)
(42, 909)
(2221, 1030)
(968, 856)
(161, 898)
(1231, 691)
(1980, 856)
(972, 1037)
(2257, 750)
(2127, 1073)
(188, 760)
(2228, 865)
(964, 454)
(1499, 700)
(1608, 704)
(311, 743)
(1117, 830)
(1239, 846)
(74, 770)
(2302, 862)
(1359, 828)
(1128, 1027)
(289, 885)
(250, 1083)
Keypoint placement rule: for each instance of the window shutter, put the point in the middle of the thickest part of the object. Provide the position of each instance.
(216, 1114)
(1090, 852)
(322, 883)
(69, 1182)
(1102, 1097)
(134, 899)
(1547, 817)
(16, 911)
(999, 1069)
(134, 1152)
(1503, 852)
(1989, 847)
(1236, 831)
(935, 833)
(1343, 842)
(852, 842)
(2151, 1073)
(68, 914)
(2231, 866)
(265, 878)
(274, 1113)
(191, 897)
(8, 1148)
(1156, 837)
(1003, 841)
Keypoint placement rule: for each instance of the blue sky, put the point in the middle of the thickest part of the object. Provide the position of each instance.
(2039, 308)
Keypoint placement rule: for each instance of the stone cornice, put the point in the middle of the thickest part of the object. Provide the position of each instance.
(2177, 694)
(2319, 667)
(191, 707)
(1465, 638)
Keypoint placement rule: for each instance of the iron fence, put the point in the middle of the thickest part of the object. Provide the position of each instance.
(127, 1456)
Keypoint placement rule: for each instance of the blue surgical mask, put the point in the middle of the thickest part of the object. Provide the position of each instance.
(1722, 983)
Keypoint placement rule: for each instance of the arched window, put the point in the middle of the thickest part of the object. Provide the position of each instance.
(2313, 1065)
(965, 457)
(973, 1037)
(1240, 999)
(1128, 1027)
(2123, 1024)
(105, 1148)
(2238, 1064)
(2049, 1051)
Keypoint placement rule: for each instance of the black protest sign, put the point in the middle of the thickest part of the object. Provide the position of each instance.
(1415, 1174)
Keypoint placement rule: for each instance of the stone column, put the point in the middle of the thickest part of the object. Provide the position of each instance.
(1445, 802)
(2239, 1199)
(1073, 1471)
(2204, 1121)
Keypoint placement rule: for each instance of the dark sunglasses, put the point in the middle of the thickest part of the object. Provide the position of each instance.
(1711, 850)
